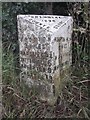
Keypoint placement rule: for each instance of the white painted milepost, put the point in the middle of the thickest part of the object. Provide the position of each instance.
(45, 52)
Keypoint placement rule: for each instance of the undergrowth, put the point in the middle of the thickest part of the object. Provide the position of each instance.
(20, 102)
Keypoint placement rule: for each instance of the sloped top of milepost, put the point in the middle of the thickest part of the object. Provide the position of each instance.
(50, 22)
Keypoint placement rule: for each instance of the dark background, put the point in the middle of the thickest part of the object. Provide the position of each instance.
(18, 100)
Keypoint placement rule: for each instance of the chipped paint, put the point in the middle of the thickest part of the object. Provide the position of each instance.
(45, 51)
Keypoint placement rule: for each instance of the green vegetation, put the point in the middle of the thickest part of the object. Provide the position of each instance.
(21, 102)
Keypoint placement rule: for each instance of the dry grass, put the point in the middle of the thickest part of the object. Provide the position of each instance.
(20, 102)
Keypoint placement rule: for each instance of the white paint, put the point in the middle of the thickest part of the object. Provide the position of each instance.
(45, 30)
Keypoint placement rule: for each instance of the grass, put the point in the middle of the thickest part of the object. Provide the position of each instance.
(21, 102)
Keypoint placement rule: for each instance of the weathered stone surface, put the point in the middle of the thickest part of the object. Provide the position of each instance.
(45, 52)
